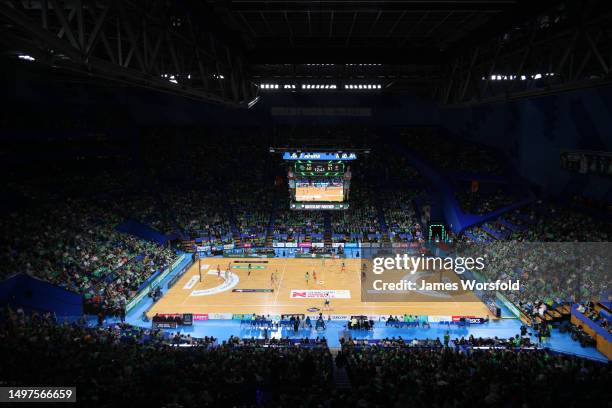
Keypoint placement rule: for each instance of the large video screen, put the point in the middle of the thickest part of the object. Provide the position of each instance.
(319, 180)
(327, 190)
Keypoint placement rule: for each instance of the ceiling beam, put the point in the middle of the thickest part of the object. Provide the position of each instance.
(493, 6)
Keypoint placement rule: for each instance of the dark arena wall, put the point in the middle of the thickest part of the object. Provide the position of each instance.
(530, 133)
(533, 132)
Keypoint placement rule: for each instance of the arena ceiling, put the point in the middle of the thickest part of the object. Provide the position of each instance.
(224, 50)
(366, 31)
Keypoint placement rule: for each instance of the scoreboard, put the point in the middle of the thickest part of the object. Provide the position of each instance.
(319, 168)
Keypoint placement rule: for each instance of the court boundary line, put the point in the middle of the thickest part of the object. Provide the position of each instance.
(280, 283)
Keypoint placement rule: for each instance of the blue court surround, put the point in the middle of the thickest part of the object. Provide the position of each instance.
(223, 329)
(503, 328)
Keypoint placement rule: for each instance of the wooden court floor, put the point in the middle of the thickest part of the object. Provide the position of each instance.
(214, 294)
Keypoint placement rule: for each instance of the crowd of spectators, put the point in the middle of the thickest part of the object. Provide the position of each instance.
(73, 244)
(542, 221)
(550, 273)
(390, 342)
(360, 223)
(495, 342)
(476, 234)
(487, 199)
(273, 342)
(444, 377)
(201, 213)
(252, 209)
(590, 311)
(451, 154)
(112, 295)
(561, 224)
(296, 226)
(578, 334)
(112, 365)
(400, 216)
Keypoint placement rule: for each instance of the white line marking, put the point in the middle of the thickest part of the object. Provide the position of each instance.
(280, 282)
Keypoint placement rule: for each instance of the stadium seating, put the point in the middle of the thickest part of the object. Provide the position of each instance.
(424, 377)
(300, 372)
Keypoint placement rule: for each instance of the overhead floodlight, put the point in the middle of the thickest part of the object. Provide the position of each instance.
(252, 103)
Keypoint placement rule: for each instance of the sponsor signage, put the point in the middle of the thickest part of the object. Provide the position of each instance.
(219, 316)
(319, 156)
(319, 294)
(318, 206)
(469, 319)
(439, 319)
(170, 314)
(166, 325)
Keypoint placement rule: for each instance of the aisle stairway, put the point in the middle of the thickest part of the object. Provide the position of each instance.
(340, 375)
